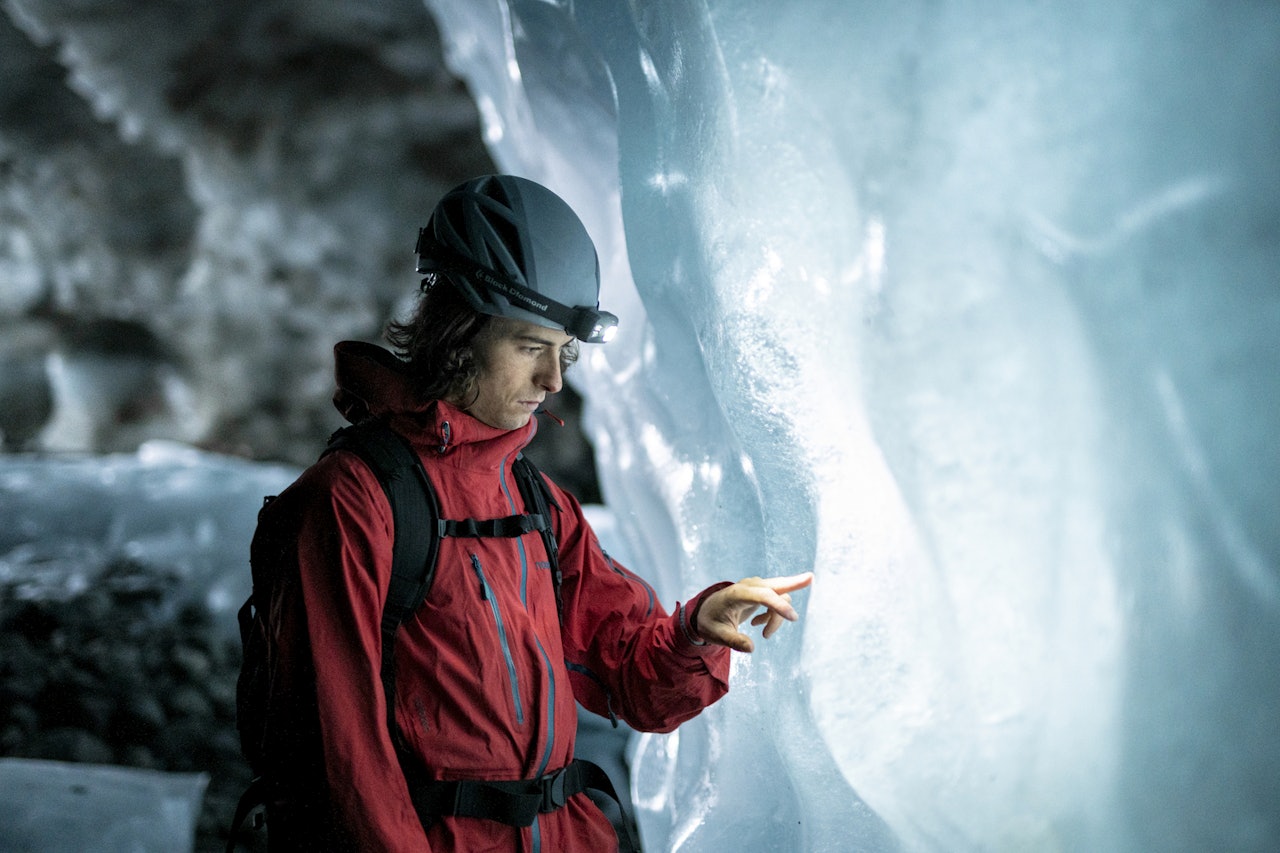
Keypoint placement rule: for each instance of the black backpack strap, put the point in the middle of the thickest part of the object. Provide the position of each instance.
(512, 525)
(538, 500)
(516, 803)
(251, 802)
(414, 507)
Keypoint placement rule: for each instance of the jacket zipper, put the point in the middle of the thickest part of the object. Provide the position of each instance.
(536, 829)
(633, 577)
(604, 688)
(524, 556)
(486, 593)
(524, 592)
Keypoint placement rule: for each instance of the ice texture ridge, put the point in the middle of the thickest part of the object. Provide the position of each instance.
(974, 313)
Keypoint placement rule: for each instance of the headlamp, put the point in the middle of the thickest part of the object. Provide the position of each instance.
(587, 324)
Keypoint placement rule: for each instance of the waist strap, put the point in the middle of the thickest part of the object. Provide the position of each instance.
(513, 803)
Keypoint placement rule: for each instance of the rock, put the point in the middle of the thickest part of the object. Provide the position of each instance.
(70, 744)
(189, 702)
(138, 720)
(191, 664)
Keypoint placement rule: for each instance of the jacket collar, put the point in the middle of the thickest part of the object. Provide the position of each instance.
(373, 382)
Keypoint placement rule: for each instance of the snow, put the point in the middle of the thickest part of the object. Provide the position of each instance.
(78, 808)
(168, 507)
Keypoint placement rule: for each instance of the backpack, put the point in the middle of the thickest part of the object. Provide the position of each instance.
(414, 506)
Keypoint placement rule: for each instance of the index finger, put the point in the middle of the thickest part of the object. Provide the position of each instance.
(789, 583)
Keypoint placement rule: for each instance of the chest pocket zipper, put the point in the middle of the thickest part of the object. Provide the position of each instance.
(486, 593)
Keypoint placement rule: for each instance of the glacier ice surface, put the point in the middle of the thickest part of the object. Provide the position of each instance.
(973, 313)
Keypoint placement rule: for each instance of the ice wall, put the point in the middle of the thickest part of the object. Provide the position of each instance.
(974, 313)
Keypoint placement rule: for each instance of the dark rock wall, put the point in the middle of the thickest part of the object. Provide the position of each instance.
(197, 200)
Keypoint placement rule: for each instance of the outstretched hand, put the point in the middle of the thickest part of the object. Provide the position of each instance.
(725, 609)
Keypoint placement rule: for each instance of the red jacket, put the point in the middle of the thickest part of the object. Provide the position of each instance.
(486, 673)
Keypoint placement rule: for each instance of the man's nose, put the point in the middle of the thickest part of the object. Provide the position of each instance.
(549, 377)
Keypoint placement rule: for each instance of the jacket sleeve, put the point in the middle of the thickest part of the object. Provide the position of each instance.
(344, 567)
(626, 655)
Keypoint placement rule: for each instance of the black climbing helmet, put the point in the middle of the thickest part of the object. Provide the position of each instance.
(515, 249)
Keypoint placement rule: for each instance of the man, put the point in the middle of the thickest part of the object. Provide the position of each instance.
(488, 668)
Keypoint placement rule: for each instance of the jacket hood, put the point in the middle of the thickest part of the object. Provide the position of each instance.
(374, 383)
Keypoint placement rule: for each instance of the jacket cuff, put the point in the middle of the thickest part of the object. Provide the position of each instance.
(687, 615)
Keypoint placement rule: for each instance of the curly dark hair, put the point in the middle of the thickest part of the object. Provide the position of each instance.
(438, 342)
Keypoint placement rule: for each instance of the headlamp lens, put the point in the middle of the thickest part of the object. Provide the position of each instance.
(592, 326)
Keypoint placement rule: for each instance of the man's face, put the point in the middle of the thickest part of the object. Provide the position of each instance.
(519, 366)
